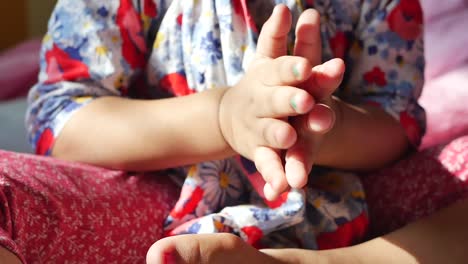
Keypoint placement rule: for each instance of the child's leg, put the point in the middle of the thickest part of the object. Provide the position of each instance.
(54, 211)
(7, 256)
(438, 177)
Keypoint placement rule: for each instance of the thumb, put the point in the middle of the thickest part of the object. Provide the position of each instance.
(300, 157)
(320, 119)
(325, 79)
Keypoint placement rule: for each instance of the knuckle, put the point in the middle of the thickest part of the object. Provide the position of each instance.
(266, 138)
(230, 241)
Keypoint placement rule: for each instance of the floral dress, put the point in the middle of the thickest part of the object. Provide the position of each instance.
(154, 49)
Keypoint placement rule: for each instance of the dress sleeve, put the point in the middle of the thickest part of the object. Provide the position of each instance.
(92, 48)
(387, 63)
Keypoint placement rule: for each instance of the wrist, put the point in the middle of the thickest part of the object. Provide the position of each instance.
(224, 130)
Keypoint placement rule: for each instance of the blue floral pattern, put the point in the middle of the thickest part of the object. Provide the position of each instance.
(99, 48)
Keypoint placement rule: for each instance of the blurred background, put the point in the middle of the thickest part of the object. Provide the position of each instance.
(22, 24)
(23, 20)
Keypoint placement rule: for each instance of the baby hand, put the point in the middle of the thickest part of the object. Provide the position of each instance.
(253, 115)
(312, 127)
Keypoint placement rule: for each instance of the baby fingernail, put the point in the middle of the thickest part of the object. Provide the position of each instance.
(321, 118)
(296, 71)
(295, 173)
(293, 102)
(301, 103)
(270, 195)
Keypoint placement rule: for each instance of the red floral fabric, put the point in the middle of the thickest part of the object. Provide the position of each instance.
(417, 186)
(53, 211)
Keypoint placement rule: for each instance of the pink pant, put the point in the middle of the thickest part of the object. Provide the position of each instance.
(54, 211)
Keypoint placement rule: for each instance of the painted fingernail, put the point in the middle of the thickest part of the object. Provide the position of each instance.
(296, 71)
(293, 102)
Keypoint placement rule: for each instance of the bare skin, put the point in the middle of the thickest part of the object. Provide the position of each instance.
(441, 238)
(7, 257)
(321, 135)
(415, 243)
(222, 122)
(112, 143)
(107, 133)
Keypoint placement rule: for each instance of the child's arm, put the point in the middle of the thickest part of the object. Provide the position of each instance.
(132, 134)
(364, 137)
(153, 134)
(112, 131)
(379, 114)
(386, 72)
